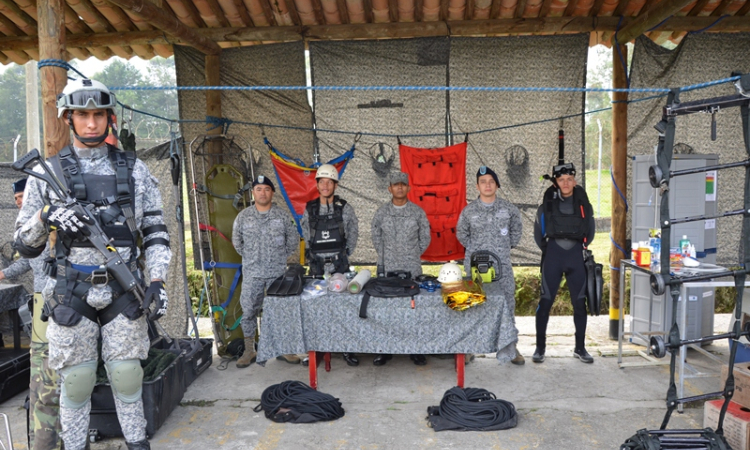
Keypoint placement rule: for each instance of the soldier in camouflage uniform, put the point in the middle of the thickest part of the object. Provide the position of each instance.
(44, 392)
(400, 234)
(331, 229)
(265, 236)
(124, 197)
(494, 224)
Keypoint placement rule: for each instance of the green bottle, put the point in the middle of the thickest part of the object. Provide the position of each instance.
(684, 245)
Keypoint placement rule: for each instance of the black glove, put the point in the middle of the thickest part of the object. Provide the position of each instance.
(157, 295)
(66, 222)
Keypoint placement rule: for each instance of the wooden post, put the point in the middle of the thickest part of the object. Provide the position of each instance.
(213, 99)
(52, 46)
(619, 174)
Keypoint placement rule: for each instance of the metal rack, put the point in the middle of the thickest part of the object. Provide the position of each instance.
(667, 282)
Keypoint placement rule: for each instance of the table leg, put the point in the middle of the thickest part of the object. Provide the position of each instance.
(460, 365)
(312, 368)
(16, 321)
(327, 359)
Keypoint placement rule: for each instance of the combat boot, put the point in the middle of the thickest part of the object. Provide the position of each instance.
(140, 445)
(248, 356)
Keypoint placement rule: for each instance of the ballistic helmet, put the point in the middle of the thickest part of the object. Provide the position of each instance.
(85, 94)
(327, 171)
(450, 273)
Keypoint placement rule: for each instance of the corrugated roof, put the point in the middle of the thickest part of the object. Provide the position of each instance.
(127, 28)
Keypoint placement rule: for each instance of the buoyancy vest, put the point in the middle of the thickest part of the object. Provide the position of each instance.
(556, 225)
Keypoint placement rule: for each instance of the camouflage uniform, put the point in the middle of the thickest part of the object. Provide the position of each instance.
(122, 339)
(351, 227)
(400, 234)
(495, 227)
(44, 392)
(264, 240)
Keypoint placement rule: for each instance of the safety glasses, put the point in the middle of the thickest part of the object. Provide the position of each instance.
(563, 169)
(87, 99)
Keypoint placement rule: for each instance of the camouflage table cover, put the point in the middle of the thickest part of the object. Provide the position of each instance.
(331, 323)
(12, 296)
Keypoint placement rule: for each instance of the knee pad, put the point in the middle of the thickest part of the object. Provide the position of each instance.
(126, 378)
(78, 385)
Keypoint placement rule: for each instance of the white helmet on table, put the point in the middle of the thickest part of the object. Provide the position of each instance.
(450, 273)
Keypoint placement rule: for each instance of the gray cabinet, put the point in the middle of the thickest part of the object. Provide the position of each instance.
(689, 195)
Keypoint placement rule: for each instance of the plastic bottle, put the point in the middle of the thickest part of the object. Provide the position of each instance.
(644, 255)
(634, 252)
(685, 245)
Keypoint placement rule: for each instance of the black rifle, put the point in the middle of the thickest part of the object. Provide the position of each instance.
(114, 264)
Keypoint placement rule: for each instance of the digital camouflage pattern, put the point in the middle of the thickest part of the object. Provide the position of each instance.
(264, 240)
(400, 234)
(496, 227)
(122, 338)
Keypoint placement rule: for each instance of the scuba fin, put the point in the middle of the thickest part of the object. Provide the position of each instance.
(594, 283)
(289, 284)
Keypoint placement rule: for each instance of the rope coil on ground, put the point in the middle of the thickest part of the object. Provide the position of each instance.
(296, 402)
(471, 409)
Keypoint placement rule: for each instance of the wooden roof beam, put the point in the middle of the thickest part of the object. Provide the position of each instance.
(650, 19)
(343, 11)
(521, 6)
(293, 12)
(495, 27)
(495, 9)
(744, 9)
(27, 23)
(720, 9)
(169, 24)
(596, 8)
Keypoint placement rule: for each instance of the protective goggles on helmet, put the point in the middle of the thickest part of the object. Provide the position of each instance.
(563, 169)
(87, 99)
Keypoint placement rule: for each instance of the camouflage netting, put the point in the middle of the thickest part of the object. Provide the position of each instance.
(158, 162)
(262, 65)
(520, 153)
(698, 58)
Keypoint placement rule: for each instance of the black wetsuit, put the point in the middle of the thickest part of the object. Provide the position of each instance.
(563, 256)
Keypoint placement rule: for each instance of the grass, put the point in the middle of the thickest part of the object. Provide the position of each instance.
(592, 186)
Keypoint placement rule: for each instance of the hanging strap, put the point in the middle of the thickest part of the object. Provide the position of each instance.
(221, 265)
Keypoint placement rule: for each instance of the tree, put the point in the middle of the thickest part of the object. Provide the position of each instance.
(13, 106)
(599, 76)
(160, 72)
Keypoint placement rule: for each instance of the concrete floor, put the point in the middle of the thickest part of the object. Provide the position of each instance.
(562, 403)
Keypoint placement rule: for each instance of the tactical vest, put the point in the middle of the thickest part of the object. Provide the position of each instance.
(557, 225)
(327, 236)
(112, 197)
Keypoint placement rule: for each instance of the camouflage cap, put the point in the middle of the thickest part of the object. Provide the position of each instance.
(400, 177)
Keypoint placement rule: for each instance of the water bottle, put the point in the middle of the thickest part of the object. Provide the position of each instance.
(685, 245)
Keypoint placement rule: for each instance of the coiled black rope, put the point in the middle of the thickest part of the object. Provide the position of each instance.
(472, 409)
(296, 402)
